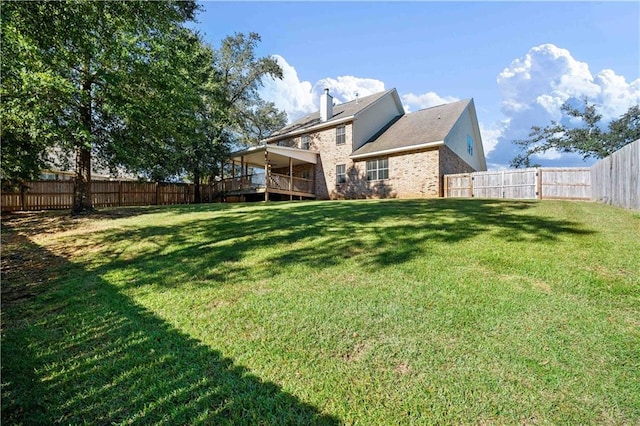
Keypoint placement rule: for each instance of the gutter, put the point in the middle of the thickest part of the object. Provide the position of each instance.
(396, 150)
(322, 125)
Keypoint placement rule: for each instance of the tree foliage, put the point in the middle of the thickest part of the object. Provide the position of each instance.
(242, 73)
(126, 85)
(223, 108)
(590, 140)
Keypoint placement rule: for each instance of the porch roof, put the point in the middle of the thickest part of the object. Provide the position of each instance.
(278, 156)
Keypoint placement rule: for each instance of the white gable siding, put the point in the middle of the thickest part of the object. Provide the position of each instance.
(456, 140)
(370, 120)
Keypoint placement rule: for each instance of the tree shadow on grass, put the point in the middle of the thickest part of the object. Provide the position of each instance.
(375, 234)
(75, 350)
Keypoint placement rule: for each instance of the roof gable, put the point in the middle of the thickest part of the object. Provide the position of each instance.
(431, 125)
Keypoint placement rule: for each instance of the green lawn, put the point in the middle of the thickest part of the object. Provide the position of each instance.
(356, 312)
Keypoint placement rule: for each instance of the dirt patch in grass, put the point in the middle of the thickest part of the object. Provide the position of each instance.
(23, 271)
(54, 221)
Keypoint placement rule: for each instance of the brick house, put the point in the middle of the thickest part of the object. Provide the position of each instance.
(365, 148)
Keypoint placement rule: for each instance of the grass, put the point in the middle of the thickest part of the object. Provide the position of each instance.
(352, 312)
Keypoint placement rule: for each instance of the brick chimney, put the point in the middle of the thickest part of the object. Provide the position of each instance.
(326, 106)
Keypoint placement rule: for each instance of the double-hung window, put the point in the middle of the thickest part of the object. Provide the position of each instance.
(341, 174)
(341, 138)
(378, 169)
(304, 142)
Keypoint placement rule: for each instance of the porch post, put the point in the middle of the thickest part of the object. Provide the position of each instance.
(267, 174)
(242, 177)
(290, 179)
(313, 176)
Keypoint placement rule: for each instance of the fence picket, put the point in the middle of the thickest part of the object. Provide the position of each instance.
(530, 184)
(58, 194)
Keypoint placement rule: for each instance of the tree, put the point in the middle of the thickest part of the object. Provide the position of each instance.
(235, 113)
(218, 108)
(590, 140)
(26, 132)
(259, 122)
(75, 65)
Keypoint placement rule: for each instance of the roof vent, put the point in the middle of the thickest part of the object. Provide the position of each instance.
(326, 106)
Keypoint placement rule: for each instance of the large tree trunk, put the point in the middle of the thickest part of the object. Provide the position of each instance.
(82, 198)
(196, 188)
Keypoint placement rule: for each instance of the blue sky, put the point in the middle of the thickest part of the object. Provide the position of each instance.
(518, 60)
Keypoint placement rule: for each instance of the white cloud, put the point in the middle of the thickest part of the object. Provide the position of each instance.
(426, 100)
(535, 86)
(617, 96)
(345, 88)
(490, 135)
(551, 154)
(289, 94)
(298, 98)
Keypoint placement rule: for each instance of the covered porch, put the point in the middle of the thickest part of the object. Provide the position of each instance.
(272, 172)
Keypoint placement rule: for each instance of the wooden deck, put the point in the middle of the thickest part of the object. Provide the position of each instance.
(260, 184)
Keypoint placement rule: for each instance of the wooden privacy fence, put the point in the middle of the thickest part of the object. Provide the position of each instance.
(534, 183)
(616, 179)
(54, 194)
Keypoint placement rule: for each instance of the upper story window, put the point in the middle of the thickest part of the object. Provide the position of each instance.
(378, 169)
(341, 174)
(287, 142)
(341, 138)
(304, 142)
(470, 145)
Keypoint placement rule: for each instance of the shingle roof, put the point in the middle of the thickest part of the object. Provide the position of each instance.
(340, 111)
(416, 128)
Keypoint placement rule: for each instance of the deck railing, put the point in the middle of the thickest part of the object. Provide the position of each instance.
(258, 181)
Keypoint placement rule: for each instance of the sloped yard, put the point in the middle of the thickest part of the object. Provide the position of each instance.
(367, 312)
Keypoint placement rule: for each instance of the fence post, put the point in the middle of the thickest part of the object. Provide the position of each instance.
(23, 197)
(157, 193)
(119, 193)
(471, 177)
(539, 176)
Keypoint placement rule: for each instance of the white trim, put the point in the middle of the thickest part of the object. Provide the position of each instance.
(326, 124)
(304, 155)
(395, 150)
(396, 99)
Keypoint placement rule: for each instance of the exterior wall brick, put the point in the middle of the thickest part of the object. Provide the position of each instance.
(301, 171)
(450, 163)
(412, 174)
(324, 141)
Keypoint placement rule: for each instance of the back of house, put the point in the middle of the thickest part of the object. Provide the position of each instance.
(369, 148)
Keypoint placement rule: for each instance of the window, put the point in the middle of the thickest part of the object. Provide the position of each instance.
(341, 174)
(378, 169)
(340, 136)
(469, 145)
(286, 142)
(304, 142)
